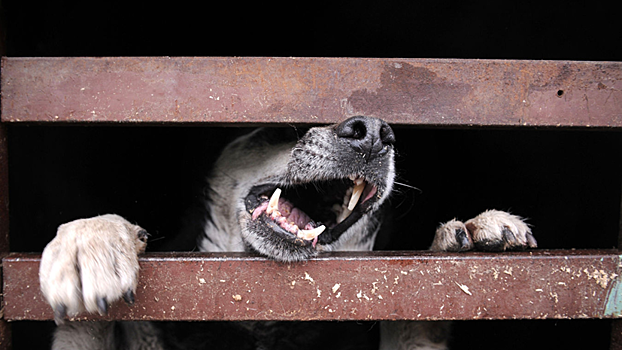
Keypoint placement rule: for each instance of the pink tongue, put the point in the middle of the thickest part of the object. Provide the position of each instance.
(299, 217)
(285, 207)
(293, 214)
(289, 212)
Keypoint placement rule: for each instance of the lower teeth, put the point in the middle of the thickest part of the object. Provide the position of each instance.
(273, 212)
(311, 234)
(351, 199)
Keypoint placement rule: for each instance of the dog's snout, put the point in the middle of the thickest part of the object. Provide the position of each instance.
(370, 136)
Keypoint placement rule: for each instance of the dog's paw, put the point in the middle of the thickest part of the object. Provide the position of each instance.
(492, 230)
(452, 236)
(91, 263)
(495, 230)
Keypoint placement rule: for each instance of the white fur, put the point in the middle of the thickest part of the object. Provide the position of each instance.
(75, 271)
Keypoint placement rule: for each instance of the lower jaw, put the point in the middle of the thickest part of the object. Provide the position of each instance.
(329, 236)
(287, 236)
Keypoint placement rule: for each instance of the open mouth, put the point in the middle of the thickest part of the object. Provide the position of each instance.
(314, 212)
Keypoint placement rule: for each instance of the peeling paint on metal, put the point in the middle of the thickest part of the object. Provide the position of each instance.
(613, 305)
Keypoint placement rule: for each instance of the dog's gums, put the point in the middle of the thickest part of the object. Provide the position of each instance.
(294, 220)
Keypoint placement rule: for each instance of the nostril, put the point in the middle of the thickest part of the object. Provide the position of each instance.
(386, 134)
(353, 128)
(359, 130)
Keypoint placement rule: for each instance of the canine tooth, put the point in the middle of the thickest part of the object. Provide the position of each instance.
(274, 201)
(311, 234)
(359, 181)
(344, 215)
(356, 194)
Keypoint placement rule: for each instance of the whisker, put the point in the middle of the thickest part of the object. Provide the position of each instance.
(408, 186)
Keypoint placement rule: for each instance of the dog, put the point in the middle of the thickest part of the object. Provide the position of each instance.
(284, 195)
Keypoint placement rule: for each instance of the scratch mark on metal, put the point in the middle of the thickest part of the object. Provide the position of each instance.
(464, 288)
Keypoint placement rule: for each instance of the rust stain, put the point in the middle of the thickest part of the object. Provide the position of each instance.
(406, 92)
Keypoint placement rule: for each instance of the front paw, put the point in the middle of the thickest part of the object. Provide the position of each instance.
(495, 230)
(492, 230)
(91, 263)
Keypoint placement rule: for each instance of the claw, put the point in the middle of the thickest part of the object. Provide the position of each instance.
(102, 306)
(129, 297)
(531, 241)
(463, 240)
(60, 312)
(143, 235)
(509, 237)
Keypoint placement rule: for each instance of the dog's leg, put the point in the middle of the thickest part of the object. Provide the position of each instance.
(410, 335)
(101, 335)
(89, 264)
(492, 230)
(84, 335)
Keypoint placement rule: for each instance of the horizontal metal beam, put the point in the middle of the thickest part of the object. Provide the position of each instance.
(312, 90)
(352, 286)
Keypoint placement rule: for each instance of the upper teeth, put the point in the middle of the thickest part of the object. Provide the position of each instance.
(359, 186)
(343, 215)
(273, 205)
(354, 194)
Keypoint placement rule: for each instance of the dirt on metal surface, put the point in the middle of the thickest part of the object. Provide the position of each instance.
(347, 286)
(312, 90)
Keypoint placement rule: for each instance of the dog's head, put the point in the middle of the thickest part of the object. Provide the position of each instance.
(289, 197)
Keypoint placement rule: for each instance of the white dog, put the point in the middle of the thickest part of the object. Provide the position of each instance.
(272, 192)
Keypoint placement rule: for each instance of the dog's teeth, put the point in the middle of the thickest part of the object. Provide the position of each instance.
(344, 215)
(274, 201)
(356, 193)
(311, 234)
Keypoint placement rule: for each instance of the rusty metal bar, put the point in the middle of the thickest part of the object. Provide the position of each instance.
(349, 286)
(312, 90)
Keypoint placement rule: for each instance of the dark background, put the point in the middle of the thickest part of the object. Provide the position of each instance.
(567, 182)
(557, 30)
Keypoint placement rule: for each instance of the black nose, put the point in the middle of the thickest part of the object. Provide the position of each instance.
(370, 136)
